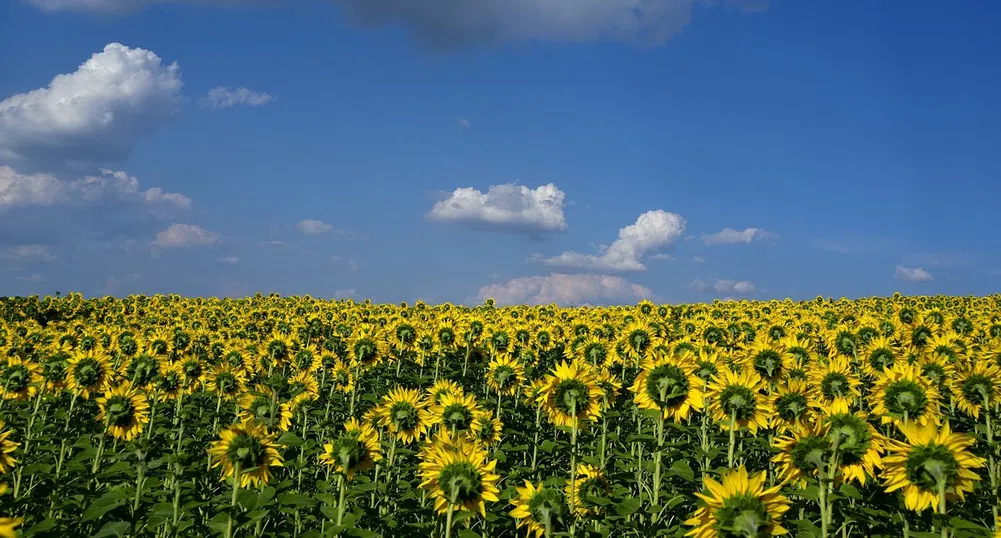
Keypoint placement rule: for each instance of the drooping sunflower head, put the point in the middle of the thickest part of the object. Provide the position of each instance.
(571, 395)
(588, 487)
(124, 410)
(537, 509)
(89, 371)
(790, 405)
(668, 385)
(459, 474)
(739, 506)
(248, 449)
(488, 427)
(402, 412)
(442, 387)
(736, 397)
(803, 453)
(356, 450)
(19, 379)
(505, 374)
(835, 380)
(7, 448)
(858, 443)
(901, 394)
(456, 414)
(978, 387)
(226, 381)
(878, 355)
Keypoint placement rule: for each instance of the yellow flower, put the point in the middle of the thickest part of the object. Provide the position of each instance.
(791, 404)
(860, 446)
(834, 381)
(455, 413)
(668, 385)
(803, 453)
(589, 483)
(979, 385)
(403, 413)
(933, 460)
(459, 474)
(89, 371)
(536, 508)
(246, 445)
(901, 394)
(571, 395)
(7, 448)
(739, 505)
(125, 411)
(19, 379)
(505, 374)
(356, 450)
(736, 396)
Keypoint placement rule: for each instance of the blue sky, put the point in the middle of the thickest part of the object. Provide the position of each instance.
(567, 151)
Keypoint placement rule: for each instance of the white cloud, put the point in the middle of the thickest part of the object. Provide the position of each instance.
(95, 114)
(313, 227)
(508, 206)
(38, 253)
(911, 275)
(185, 235)
(729, 236)
(699, 259)
(653, 231)
(564, 289)
(729, 287)
(229, 259)
(664, 257)
(223, 97)
(43, 190)
(272, 243)
(463, 122)
(344, 294)
(116, 285)
(351, 264)
(34, 277)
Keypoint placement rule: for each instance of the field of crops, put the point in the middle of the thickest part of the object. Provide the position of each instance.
(166, 416)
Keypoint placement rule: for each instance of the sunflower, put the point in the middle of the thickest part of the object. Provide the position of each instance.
(860, 446)
(226, 382)
(668, 385)
(878, 355)
(194, 372)
(803, 453)
(366, 347)
(488, 427)
(442, 387)
(304, 382)
(403, 413)
(791, 404)
(142, 370)
(248, 449)
(89, 371)
(459, 475)
(739, 505)
(919, 334)
(19, 379)
(901, 394)
(571, 395)
(356, 450)
(637, 339)
(8, 525)
(589, 484)
(7, 447)
(505, 374)
(834, 381)
(262, 405)
(125, 411)
(736, 397)
(769, 361)
(592, 350)
(170, 384)
(342, 377)
(979, 387)
(307, 359)
(455, 413)
(933, 460)
(537, 509)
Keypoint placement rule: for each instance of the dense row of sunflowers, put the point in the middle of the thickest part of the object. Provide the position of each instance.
(267, 416)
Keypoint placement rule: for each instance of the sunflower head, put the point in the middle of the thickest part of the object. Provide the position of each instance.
(538, 509)
(738, 506)
(247, 449)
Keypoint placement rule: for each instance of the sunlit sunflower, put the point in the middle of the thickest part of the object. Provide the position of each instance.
(277, 350)
(571, 395)
(933, 460)
(248, 449)
(901, 394)
(306, 359)
(537, 509)
(488, 427)
(356, 450)
(592, 350)
(918, 334)
(735, 397)
(342, 377)
(403, 413)
(860, 446)
(262, 405)
(505, 374)
(7, 448)
(194, 373)
(833, 381)
(791, 404)
(226, 382)
(767, 360)
(304, 382)
(142, 370)
(668, 385)
(637, 339)
(738, 505)
(89, 372)
(366, 346)
(125, 410)
(9, 525)
(19, 379)
(459, 474)
(978, 387)
(170, 384)
(590, 484)
(441, 388)
(880, 354)
(455, 413)
(802, 453)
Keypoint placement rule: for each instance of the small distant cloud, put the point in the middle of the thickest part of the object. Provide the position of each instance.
(729, 236)
(664, 257)
(28, 253)
(185, 235)
(229, 259)
(223, 97)
(313, 227)
(728, 287)
(509, 207)
(272, 243)
(699, 259)
(463, 122)
(34, 277)
(912, 275)
(345, 294)
(350, 264)
(564, 289)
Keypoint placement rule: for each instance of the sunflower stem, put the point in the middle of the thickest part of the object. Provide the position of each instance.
(342, 486)
(573, 466)
(941, 507)
(733, 438)
(232, 503)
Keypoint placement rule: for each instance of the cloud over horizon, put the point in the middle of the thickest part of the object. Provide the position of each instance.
(653, 231)
(507, 207)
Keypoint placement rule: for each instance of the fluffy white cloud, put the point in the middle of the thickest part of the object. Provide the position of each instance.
(313, 227)
(653, 231)
(223, 97)
(93, 115)
(565, 289)
(508, 206)
(43, 190)
(229, 260)
(729, 236)
(912, 275)
(728, 287)
(699, 259)
(29, 253)
(185, 235)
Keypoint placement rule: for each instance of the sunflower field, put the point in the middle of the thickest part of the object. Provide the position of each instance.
(164, 416)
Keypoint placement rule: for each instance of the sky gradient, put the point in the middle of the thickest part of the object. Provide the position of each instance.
(560, 151)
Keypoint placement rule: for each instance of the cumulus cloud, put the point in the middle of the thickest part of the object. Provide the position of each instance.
(313, 227)
(95, 114)
(185, 235)
(564, 289)
(729, 236)
(728, 287)
(28, 253)
(653, 231)
(223, 97)
(44, 190)
(912, 275)
(504, 207)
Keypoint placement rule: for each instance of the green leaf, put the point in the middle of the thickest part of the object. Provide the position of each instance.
(104, 504)
(290, 439)
(114, 528)
(466, 533)
(682, 469)
(850, 491)
(547, 446)
(628, 506)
